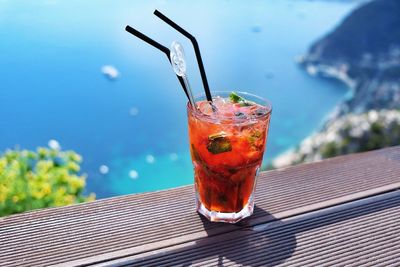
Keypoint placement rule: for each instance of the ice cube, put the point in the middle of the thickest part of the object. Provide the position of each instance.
(219, 102)
(205, 108)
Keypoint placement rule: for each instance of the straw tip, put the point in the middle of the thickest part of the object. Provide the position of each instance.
(127, 27)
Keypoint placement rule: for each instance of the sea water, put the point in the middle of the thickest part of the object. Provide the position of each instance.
(70, 72)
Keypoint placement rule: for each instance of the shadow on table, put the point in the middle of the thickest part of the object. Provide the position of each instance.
(242, 244)
(260, 240)
(269, 244)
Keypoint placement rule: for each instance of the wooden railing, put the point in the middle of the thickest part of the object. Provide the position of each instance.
(308, 214)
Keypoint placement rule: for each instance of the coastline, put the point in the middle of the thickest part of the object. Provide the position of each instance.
(363, 52)
(289, 156)
(326, 71)
(356, 124)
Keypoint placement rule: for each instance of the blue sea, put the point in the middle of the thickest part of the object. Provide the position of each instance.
(132, 131)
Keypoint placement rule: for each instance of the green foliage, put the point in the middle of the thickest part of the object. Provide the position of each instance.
(40, 179)
(376, 140)
(377, 137)
(330, 150)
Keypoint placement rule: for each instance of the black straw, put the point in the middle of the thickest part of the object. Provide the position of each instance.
(196, 50)
(157, 45)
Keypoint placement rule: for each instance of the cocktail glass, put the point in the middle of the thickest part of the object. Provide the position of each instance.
(227, 144)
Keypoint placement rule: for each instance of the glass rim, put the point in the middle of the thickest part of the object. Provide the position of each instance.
(261, 101)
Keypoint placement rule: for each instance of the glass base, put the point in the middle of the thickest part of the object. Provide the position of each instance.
(232, 217)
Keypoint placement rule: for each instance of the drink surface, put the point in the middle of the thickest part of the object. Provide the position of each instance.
(227, 145)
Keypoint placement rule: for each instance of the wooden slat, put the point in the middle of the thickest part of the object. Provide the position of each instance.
(133, 224)
(362, 233)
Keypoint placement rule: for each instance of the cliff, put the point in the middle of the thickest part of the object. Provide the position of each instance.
(350, 133)
(364, 52)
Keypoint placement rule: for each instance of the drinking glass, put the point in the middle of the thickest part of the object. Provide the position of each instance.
(227, 153)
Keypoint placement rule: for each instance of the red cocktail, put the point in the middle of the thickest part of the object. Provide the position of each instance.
(227, 144)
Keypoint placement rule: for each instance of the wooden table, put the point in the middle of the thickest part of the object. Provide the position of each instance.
(341, 211)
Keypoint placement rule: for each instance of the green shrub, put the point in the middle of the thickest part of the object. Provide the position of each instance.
(377, 139)
(40, 179)
(330, 150)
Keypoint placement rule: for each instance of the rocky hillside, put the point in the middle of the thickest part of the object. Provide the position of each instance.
(349, 134)
(372, 29)
(364, 52)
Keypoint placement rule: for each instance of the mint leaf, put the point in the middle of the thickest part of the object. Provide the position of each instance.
(235, 98)
(218, 143)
